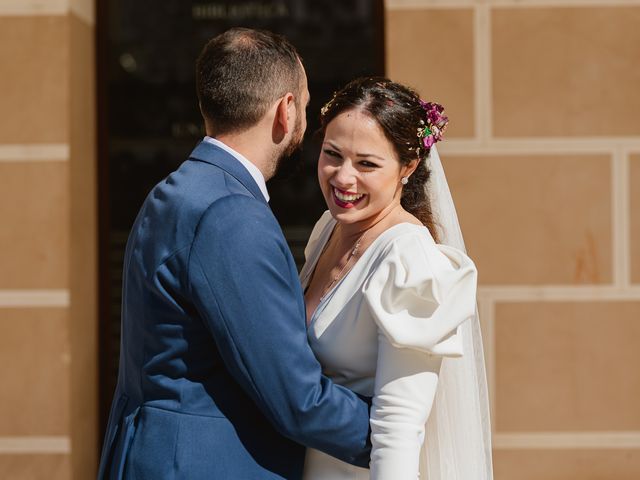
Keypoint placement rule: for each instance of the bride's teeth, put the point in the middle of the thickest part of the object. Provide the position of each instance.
(346, 197)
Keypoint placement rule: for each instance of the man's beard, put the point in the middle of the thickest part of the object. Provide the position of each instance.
(287, 162)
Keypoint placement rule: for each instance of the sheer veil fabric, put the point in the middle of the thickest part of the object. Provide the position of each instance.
(457, 442)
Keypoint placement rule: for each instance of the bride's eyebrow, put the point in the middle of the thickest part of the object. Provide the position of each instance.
(332, 145)
(363, 155)
(369, 155)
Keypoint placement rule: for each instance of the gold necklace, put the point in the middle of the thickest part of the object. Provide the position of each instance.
(352, 254)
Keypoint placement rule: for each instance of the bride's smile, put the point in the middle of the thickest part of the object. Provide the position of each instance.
(346, 199)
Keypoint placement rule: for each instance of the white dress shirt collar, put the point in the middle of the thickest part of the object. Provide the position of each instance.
(251, 168)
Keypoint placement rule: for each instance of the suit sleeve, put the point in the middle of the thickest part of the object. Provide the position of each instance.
(242, 284)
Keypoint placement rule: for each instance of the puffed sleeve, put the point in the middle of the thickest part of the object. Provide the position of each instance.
(419, 294)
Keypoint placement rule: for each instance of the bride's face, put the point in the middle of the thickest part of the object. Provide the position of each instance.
(358, 169)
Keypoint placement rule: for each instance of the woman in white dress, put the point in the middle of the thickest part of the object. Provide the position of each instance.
(391, 301)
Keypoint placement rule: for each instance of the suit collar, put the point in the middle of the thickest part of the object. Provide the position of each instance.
(214, 155)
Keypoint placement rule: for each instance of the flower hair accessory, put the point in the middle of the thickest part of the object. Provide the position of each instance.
(327, 106)
(433, 126)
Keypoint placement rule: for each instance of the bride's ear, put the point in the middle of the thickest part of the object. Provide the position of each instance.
(408, 169)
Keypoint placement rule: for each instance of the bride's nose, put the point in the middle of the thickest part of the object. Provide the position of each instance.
(345, 176)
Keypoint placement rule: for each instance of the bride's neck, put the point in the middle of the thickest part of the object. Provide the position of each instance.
(377, 222)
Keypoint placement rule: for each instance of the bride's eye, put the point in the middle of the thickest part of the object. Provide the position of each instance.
(368, 164)
(331, 153)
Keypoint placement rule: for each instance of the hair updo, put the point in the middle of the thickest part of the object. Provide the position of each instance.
(400, 114)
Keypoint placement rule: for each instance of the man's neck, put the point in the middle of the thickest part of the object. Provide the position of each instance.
(249, 144)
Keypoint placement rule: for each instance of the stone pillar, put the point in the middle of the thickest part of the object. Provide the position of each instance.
(48, 240)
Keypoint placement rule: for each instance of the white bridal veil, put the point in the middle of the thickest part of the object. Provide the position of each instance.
(458, 435)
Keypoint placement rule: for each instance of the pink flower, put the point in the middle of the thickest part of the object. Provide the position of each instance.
(429, 141)
(436, 123)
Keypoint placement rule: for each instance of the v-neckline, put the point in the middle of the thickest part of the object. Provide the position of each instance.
(327, 296)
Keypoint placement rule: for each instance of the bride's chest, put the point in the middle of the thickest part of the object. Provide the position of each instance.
(344, 338)
(331, 266)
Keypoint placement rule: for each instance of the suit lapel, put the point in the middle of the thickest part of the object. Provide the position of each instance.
(209, 153)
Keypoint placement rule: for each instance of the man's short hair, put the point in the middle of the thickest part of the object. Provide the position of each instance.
(241, 72)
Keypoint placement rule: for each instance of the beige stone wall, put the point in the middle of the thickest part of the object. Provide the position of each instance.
(543, 158)
(48, 319)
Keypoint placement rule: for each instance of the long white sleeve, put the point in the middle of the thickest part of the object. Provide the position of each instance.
(419, 295)
(405, 386)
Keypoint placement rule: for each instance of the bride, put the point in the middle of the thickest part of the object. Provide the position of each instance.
(390, 293)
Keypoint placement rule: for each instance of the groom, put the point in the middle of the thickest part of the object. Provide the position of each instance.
(216, 378)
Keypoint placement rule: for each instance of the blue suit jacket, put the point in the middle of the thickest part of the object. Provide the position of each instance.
(216, 378)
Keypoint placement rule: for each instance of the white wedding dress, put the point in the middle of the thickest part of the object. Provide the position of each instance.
(383, 331)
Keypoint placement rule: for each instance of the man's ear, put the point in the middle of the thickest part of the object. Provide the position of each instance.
(285, 113)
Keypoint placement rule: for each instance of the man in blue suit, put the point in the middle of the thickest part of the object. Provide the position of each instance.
(216, 378)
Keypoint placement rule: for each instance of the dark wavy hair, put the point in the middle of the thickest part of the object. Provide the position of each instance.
(241, 72)
(396, 108)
